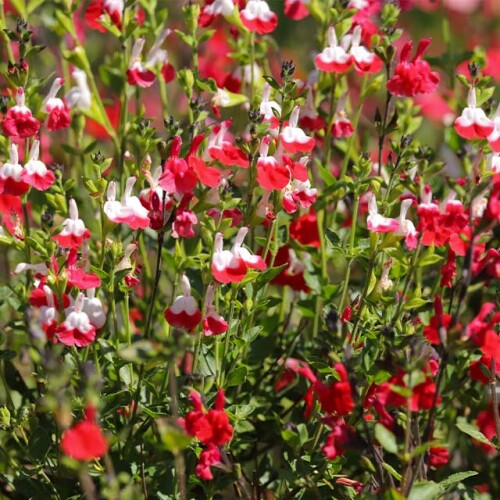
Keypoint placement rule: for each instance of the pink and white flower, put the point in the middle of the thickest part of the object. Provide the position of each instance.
(297, 195)
(79, 97)
(473, 122)
(184, 312)
(494, 137)
(57, 109)
(334, 58)
(376, 222)
(76, 329)
(257, 16)
(294, 138)
(222, 150)
(140, 73)
(213, 323)
(364, 61)
(232, 266)
(35, 173)
(10, 175)
(267, 106)
(406, 227)
(129, 210)
(74, 230)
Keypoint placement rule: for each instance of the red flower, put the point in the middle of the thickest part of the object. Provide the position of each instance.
(436, 332)
(413, 77)
(484, 363)
(293, 274)
(486, 424)
(296, 9)
(438, 457)
(337, 440)
(98, 8)
(305, 230)
(336, 398)
(449, 270)
(211, 428)
(19, 122)
(85, 440)
(182, 226)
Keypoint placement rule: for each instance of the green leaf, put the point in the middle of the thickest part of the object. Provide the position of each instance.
(386, 438)
(392, 471)
(7, 354)
(457, 478)
(415, 303)
(473, 431)
(40, 444)
(117, 400)
(425, 490)
(237, 376)
(428, 260)
(269, 274)
(332, 237)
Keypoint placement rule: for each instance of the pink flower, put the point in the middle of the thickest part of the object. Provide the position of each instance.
(296, 9)
(183, 224)
(74, 230)
(19, 121)
(76, 329)
(413, 77)
(473, 123)
(334, 58)
(232, 266)
(178, 176)
(494, 137)
(35, 172)
(184, 312)
(257, 16)
(129, 210)
(376, 222)
(98, 8)
(58, 110)
(10, 175)
(293, 137)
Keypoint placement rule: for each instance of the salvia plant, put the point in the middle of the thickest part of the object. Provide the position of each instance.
(249, 249)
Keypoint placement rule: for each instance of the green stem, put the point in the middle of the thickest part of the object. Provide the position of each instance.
(351, 247)
(355, 123)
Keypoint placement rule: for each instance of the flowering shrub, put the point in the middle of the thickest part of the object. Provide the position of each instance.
(230, 274)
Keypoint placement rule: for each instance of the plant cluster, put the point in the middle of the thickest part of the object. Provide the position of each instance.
(227, 273)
